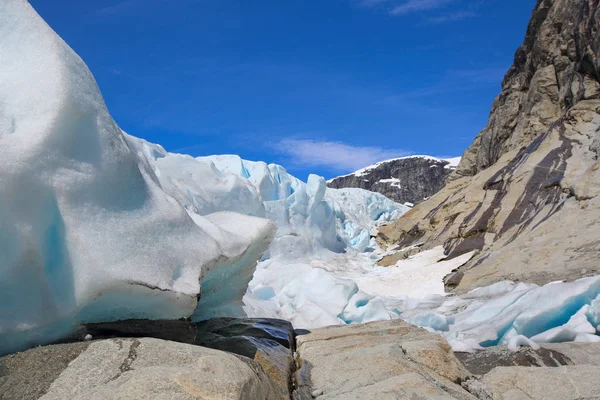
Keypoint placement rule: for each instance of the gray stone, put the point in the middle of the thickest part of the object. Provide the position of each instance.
(270, 342)
(549, 355)
(381, 360)
(576, 382)
(482, 362)
(28, 375)
(135, 369)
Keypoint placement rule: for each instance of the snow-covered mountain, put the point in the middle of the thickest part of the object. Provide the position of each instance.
(405, 180)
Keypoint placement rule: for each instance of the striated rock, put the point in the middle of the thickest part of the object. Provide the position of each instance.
(380, 360)
(132, 369)
(578, 382)
(555, 68)
(404, 180)
(269, 342)
(549, 355)
(525, 194)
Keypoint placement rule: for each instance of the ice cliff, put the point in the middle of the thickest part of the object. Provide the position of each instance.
(86, 230)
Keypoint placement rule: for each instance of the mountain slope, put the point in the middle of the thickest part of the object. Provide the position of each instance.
(525, 194)
(404, 180)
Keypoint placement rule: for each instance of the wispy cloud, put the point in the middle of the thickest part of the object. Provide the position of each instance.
(412, 6)
(451, 17)
(336, 156)
(117, 8)
(432, 11)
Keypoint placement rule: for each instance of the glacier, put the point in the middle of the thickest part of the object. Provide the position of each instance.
(98, 225)
(305, 275)
(87, 233)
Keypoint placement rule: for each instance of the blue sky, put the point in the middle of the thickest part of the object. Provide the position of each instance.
(319, 86)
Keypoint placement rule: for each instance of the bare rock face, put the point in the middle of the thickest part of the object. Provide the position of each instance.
(555, 68)
(525, 194)
(403, 180)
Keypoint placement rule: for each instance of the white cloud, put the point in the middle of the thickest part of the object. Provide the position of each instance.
(117, 8)
(412, 6)
(451, 17)
(336, 156)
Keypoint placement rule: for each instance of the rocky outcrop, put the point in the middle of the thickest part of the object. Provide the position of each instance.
(525, 195)
(578, 382)
(252, 359)
(269, 342)
(404, 180)
(556, 67)
(142, 368)
(381, 360)
(559, 371)
(548, 355)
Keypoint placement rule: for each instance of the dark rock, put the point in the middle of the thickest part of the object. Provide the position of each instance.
(483, 362)
(417, 178)
(453, 280)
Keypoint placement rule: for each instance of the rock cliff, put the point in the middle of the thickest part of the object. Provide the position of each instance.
(525, 194)
(404, 180)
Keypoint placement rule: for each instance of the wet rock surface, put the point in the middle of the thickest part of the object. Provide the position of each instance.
(269, 342)
(404, 180)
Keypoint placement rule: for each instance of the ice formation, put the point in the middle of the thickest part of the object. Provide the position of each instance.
(99, 225)
(514, 314)
(323, 238)
(86, 230)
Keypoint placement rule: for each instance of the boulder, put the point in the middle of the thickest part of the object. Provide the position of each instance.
(269, 342)
(579, 382)
(144, 368)
(380, 360)
(549, 355)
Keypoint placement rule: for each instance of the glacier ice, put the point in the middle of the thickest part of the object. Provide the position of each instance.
(87, 232)
(514, 315)
(99, 225)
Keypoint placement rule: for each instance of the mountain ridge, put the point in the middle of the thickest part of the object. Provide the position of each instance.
(406, 180)
(525, 195)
